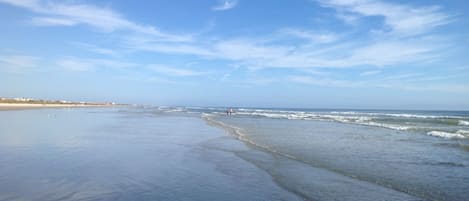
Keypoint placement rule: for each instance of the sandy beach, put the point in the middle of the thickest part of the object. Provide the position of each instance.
(23, 106)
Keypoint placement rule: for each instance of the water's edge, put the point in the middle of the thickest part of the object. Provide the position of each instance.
(238, 134)
(233, 132)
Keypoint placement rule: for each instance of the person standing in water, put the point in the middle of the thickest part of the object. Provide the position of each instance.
(229, 111)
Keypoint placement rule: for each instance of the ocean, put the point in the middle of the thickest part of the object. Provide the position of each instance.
(201, 153)
(424, 154)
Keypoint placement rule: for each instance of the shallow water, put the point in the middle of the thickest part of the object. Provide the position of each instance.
(147, 153)
(423, 166)
(124, 154)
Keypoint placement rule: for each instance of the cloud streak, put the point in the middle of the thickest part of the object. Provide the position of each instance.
(310, 36)
(82, 64)
(172, 71)
(18, 61)
(225, 5)
(103, 19)
(402, 84)
(401, 19)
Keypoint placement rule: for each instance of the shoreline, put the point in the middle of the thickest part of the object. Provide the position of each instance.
(360, 183)
(92, 148)
(25, 106)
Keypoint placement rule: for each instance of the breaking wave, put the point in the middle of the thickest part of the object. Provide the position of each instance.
(450, 125)
(449, 135)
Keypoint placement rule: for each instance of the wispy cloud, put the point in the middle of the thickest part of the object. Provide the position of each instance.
(308, 35)
(103, 19)
(371, 72)
(96, 49)
(400, 19)
(348, 18)
(319, 50)
(225, 5)
(255, 54)
(50, 21)
(169, 48)
(172, 71)
(299, 48)
(75, 65)
(18, 61)
(388, 52)
(402, 77)
(325, 81)
(398, 82)
(80, 64)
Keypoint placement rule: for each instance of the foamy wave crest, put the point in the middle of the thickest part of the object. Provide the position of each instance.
(308, 116)
(334, 116)
(444, 126)
(403, 115)
(264, 114)
(417, 116)
(347, 119)
(390, 126)
(446, 134)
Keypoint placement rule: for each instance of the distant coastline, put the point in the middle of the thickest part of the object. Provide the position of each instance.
(28, 103)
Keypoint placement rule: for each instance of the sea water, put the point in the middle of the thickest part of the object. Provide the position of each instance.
(124, 154)
(199, 153)
(353, 153)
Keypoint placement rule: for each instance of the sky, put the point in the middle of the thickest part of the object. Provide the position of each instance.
(363, 54)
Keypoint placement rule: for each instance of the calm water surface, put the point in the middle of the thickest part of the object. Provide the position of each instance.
(124, 154)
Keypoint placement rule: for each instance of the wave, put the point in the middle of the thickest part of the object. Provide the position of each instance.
(433, 124)
(404, 115)
(355, 118)
(361, 120)
(447, 135)
(390, 126)
(370, 119)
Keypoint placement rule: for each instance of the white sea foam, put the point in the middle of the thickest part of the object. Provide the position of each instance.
(415, 116)
(335, 112)
(206, 115)
(390, 126)
(174, 110)
(404, 115)
(446, 134)
(464, 132)
(360, 118)
(346, 119)
(264, 114)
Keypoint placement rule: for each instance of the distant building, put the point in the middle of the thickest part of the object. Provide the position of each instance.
(22, 99)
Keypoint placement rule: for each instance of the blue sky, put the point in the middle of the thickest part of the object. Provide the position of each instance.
(301, 53)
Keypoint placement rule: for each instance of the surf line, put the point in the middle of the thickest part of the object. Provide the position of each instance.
(238, 134)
